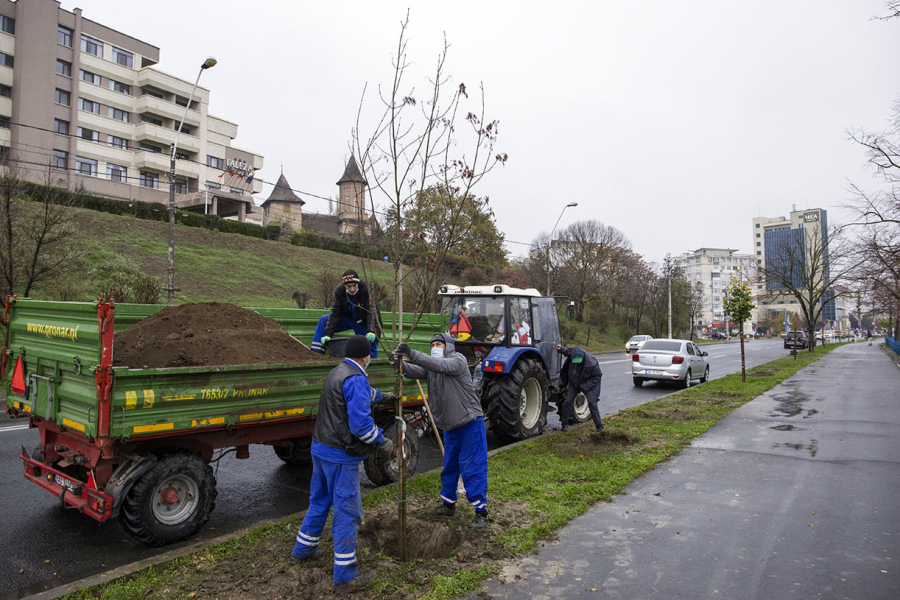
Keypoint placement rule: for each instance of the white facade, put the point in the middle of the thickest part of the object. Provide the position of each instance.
(713, 268)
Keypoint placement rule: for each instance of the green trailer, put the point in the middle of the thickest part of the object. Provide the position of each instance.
(135, 443)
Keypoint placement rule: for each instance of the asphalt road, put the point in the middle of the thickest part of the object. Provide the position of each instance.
(46, 546)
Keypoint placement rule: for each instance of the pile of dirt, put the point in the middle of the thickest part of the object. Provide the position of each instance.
(205, 335)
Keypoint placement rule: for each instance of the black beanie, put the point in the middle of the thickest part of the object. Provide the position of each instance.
(439, 337)
(358, 347)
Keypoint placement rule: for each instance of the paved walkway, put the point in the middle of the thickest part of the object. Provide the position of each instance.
(794, 495)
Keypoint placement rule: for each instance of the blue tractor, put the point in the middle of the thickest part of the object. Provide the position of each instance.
(509, 336)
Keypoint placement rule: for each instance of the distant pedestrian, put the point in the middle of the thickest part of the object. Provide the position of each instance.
(457, 410)
(344, 434)
(354, 307)
(580, 374)
(869, 336)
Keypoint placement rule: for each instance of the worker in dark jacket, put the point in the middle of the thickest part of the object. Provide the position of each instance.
(457, 410)
(353, 308)
(344, 434)
(580, 374)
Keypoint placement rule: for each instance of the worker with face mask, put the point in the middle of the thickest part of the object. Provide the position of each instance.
(353, 308)
(457, 411)
(580, 374)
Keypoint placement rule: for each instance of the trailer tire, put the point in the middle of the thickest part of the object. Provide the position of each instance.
(171, 501)
(296, 453)
(382, 469)
(517, 403)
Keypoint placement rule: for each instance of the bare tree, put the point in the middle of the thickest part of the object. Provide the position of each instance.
(36, 234)
(893, 11)
(806, 266)
(696, 304)
(418, 143)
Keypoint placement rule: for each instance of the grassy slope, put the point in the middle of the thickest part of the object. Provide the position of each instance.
(210, 265)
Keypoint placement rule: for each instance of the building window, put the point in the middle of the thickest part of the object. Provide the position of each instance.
(61, 127)
(149, 180)
(87, 105)
(8, 25)
(150, 148)
(4, 122)
(757, 225)
(117, 142)
(63, 97)
(184, 129)
(757, 235)
(60, 160)
(86, 166)
(118, 114)
(124, 58)
(180, 186)
(240, 192)
(89, 77)
(759, 262)
(151, 120)
(5, 91)
(91, 46)
(118, 86)
(7, 60)
(63, 67)
(64, 36)
(88, 134)
(758, 253)
(212, 185)
(116, 172)
(758, 244)
(149, 92)
(216, 163)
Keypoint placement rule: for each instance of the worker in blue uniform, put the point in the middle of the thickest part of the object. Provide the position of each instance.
(353, 307)
(344, 434)
(457, 411)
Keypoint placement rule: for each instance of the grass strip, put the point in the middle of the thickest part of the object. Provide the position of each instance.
(555, 477)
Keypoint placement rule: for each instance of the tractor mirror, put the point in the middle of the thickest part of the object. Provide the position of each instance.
(570, 310)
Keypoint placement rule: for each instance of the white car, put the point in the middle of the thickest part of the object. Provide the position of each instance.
(669, 360)
(635, 343)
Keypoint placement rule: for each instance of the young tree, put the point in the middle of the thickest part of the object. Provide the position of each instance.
(806, 266)
(738, 303)
(419, 143)
(696, 303)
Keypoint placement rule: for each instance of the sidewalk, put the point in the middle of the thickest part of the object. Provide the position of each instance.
(794, 495)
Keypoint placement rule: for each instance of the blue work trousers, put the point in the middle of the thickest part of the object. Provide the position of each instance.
(465, 453)
(343, 325)
(337, 485)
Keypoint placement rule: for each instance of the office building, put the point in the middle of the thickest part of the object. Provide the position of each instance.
(82, 105)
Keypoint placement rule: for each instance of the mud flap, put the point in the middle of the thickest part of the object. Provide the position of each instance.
(132, 469)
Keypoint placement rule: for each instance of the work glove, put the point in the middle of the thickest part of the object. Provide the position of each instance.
(389, 398)
(371, 337)
(403, 349)
(386, 446)
(325, 339)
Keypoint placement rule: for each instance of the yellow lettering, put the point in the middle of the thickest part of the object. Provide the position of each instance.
(53, 331)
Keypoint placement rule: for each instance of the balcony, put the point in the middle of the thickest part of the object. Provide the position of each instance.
(105, 96)
(164, 108)
(148, 132)
(152, 160)
(107, 68)
(168, 83)
(104, 124)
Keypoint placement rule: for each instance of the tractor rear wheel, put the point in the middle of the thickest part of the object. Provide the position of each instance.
(517, 403)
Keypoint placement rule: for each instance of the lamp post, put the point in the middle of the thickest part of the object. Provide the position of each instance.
(550, 241)
(207, 64)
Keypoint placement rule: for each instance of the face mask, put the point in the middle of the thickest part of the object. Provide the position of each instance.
(351, 294)
(577, 359)
(437, 352)
(366, 364)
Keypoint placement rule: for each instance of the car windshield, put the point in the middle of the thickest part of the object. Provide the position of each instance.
(664, 345)
(638, 338)
(478, 318)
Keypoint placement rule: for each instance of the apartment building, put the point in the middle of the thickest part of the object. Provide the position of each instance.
(82, 105)
(713, 268)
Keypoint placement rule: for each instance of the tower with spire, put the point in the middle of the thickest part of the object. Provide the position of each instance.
(352, 200)
(283, 207)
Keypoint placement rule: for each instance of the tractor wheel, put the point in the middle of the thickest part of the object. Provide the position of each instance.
(517, 403)
(382, 469)
(581, 412)
(296, 453)
(171, 501)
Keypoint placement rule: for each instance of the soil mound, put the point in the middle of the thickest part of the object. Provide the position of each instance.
(206, 335)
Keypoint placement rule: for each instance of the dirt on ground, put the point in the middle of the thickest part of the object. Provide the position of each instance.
(205, 335)
(435, 546)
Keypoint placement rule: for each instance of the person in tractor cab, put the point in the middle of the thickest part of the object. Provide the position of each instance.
(580, 374)
(353, 308)
(344, 434)
(456, 410)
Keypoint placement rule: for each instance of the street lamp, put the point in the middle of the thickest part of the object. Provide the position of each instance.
(550, 241)
(207, 64)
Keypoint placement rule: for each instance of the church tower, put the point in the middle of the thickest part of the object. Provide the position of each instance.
(352, 209)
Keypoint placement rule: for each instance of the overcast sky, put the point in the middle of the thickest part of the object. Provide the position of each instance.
(675, 122)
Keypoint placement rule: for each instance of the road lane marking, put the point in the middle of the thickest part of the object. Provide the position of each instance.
(13, 428)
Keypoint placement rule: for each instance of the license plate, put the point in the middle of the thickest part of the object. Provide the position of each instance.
(65, 482)
(649, 372)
